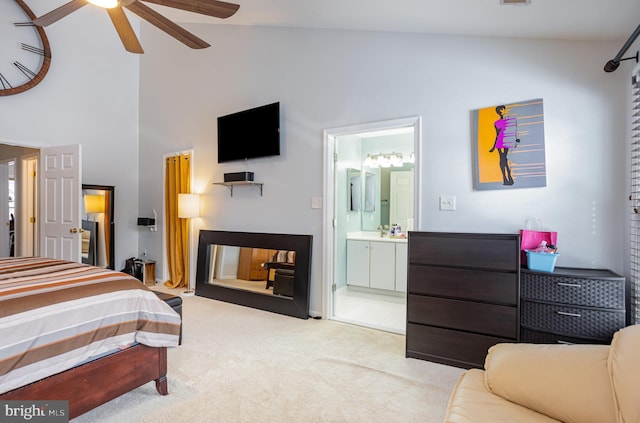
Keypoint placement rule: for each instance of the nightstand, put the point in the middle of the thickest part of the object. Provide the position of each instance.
(571, 305)
(148, 272)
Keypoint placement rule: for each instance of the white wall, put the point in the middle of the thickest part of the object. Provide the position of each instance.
(327, 79)
(89, 97)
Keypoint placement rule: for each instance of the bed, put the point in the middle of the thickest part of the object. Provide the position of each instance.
(71, 331)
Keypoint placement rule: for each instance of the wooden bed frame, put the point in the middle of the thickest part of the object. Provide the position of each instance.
(101, 380)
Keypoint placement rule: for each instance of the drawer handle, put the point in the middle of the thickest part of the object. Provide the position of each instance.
(564, 313)
(575, 285)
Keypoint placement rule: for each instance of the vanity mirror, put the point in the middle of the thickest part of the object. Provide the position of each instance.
(390, 190)
(266, 271)
(354, 189)
(98, 225)
(369, 192)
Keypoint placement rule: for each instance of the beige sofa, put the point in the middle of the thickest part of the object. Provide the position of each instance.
(553, 383)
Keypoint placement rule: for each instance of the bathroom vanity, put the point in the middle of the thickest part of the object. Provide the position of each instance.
(375, 261)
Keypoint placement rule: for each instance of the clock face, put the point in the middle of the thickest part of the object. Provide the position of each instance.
(24, 49)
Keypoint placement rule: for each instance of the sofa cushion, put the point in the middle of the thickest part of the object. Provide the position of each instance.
(624, 368)
(472, 402)
(569, 383)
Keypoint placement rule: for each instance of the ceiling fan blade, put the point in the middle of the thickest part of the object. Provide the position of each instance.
(159, 21)
(215, 8)
(124, 29)
(59, 13)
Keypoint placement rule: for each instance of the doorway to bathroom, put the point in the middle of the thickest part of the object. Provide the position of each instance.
(371, 202)
(18, 213)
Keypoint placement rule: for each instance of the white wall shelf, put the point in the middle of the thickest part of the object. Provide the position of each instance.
(231, 185)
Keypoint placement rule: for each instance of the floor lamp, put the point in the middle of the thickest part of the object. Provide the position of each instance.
(188, 208)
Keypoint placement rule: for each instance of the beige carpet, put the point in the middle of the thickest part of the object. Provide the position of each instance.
(238, 364)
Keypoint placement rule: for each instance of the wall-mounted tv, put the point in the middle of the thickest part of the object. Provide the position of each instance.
(249, 134)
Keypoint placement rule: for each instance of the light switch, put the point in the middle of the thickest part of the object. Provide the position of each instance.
(316, 202)
(447, 202)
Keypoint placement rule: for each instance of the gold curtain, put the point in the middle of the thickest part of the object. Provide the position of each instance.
(178, 180)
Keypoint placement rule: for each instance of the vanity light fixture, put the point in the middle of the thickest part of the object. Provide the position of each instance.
(383, 160)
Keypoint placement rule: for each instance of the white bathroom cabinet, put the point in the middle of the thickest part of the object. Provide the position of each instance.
(401, 267)
(377, 264)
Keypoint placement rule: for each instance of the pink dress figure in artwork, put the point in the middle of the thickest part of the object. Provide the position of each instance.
(506, 138)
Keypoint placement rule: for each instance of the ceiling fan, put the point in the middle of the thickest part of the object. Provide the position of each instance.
(215, 8)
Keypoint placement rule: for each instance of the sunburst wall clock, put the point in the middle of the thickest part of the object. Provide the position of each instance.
(25, 54)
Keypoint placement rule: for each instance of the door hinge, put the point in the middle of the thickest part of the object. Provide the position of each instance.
(335, 223)
(334, 287)
(33, 173)
(335, 157)
(32, 219)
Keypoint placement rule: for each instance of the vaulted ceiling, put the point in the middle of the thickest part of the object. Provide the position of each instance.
(589, 20)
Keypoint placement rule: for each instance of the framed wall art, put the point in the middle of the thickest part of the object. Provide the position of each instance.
(508, 146)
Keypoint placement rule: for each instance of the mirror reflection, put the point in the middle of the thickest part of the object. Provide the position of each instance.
(354, 189)
(279, 270)
(369, 192)
(379, 173)
(392, 193)
(89, 232)
(98, 225)
(260, 270)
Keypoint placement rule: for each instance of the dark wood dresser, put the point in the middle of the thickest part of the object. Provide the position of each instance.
(462, 295)
(572, 305)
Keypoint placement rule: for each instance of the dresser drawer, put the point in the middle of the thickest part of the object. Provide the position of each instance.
(476, 285)
(557, 288)
(489, 319)
(478, 251)
(448, 346)
(576, 321)
(538, 337)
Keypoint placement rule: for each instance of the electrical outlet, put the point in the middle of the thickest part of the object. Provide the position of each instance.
(447, 203)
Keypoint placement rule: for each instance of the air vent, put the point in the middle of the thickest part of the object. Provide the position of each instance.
(515, 1)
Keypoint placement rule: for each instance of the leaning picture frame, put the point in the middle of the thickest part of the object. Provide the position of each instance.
(508, 146)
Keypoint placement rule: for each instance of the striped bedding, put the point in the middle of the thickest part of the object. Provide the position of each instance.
(56, 314)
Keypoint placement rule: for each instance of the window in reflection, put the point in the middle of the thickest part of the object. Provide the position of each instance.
(260, 270)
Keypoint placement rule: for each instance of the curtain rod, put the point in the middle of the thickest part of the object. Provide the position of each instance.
(613, 64)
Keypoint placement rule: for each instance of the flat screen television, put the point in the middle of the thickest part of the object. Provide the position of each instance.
(249, 134)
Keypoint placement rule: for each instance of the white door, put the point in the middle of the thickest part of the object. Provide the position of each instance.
(401, 198)
(28, 241)
(5, 240)
(61, 190)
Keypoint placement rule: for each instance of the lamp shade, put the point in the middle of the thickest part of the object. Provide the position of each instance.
(94, 203)
(188, 205)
